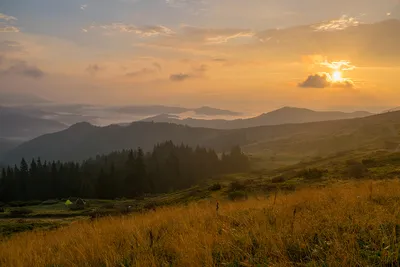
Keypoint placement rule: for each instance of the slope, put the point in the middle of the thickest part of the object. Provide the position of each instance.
(302, 140)
(281, 116)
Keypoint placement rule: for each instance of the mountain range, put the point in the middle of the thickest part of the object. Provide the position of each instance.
(281, 116)
(18, 124)
(84, 140)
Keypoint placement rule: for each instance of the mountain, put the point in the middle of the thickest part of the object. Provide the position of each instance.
(7, 145)
(281, 116)
(159, 109)
(393, 109)
(84, 140)
(18, 124)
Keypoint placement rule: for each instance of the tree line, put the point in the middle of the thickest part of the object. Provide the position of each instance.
(128, 173)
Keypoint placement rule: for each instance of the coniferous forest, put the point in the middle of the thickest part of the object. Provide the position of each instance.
(129, 173)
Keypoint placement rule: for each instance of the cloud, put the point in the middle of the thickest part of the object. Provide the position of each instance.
(157, 66)
(142, 72)
(324, 80)
(342, 65)
(214, 35)
(7, 25)
(342, 23)
(180, 77)
(83, 7)
(7, 18)
(10, 46)
(6, 28)
(316, 81)
(202, 68)
(21, 68)
(219, 59)
(93, 69)
(142, 31)
(197, 72)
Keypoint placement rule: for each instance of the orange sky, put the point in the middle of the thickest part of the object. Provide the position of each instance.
(211, 59)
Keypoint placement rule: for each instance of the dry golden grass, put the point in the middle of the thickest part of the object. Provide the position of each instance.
(347, 224)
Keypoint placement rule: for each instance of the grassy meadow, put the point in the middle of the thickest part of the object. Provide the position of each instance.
(348, 223)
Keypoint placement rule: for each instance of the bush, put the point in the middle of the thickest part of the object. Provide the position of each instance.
(215, 187)
(237, 195)
(356, 169)
(279, 179)
(237, 186)
(312, 174)
(21, 211)
(50, 202)
(2, 210)
(369, 162)
(74, 207)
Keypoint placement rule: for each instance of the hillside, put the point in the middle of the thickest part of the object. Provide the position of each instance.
(281, 116)
(345, 224)
(7, 145)
(83, 140)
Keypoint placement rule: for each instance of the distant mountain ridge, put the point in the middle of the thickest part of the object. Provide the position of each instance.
(15, 124)
(286, 115)
(83, 140)
(157, 109)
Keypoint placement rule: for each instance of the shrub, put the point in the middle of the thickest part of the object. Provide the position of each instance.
(369, 162)
(237, 195)
(312, 174)
(50, 202)
(215, 187)
(21, 211)
(237, 186)
(2, 210)
(278, 179)
(356, 169)
(75, 207)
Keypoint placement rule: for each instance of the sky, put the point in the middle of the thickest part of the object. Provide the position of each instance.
(247, 55)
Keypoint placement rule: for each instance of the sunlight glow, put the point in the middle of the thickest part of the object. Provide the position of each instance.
(337, 76)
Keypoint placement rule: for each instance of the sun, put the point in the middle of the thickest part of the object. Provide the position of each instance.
(337, 76)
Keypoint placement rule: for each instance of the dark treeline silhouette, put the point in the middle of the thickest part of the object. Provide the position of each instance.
(130, 173)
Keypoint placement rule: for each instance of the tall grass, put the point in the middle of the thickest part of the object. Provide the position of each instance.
(347, 224)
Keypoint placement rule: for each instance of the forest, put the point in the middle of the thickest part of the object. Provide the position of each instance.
(127, 173)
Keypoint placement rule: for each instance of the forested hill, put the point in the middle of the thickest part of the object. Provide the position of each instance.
(120, 174)
(83, 140)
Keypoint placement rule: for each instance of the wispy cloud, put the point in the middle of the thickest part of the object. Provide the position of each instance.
(83, 7)
(180, 77)
(6, 23)
(157, 66)
(93, 69)
(342, 23)
(5, 28)
(143, 31)
(11, 46)
(22, 68)
(214, 35)
(196, 72)
(7, 18)
(142, 72)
